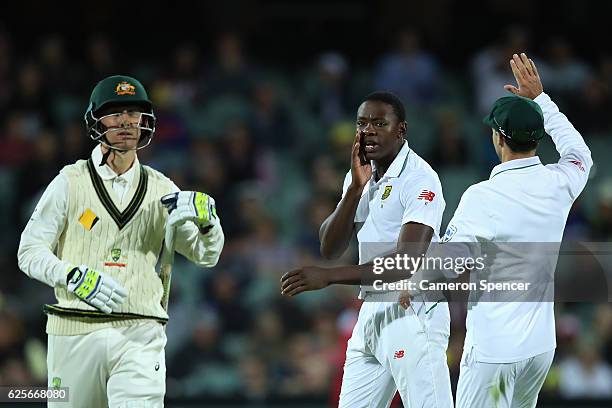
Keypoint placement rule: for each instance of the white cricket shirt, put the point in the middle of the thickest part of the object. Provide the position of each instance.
(409, 191)
(523, 201)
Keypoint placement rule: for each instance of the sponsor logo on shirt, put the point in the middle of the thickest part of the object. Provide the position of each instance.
(448, 235)
(88, 219)
(398, 354)
(578, 163)
(426, 195)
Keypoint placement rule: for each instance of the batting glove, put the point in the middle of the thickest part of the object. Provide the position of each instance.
(191, 206)
(96, 289)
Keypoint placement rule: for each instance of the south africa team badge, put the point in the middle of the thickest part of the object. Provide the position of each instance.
(387, 192)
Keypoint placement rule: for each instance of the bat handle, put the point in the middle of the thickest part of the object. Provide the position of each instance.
(169, 239)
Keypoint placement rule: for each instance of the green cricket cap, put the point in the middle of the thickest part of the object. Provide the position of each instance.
(517, 118)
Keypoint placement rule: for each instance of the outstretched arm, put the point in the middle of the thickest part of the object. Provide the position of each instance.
(413, 242)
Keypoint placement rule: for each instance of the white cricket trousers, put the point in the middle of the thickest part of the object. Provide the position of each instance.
(122, 367)
(501, 385)
(393, 349)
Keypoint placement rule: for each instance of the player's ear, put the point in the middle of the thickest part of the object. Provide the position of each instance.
(495, 137)
(403, 127)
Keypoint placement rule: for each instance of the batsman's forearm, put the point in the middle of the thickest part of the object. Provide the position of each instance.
(40, 236)
(201, 249)
(337, 230)
(38, 262)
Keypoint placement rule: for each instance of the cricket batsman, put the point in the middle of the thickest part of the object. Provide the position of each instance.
(95, 237)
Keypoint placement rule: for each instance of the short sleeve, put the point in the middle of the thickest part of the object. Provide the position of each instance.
(471, 221)
(362, 207)
(423, 202)
(345, 185)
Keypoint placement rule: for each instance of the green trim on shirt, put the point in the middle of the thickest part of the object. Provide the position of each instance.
(120, 218)
(516, 168)
(95, 314)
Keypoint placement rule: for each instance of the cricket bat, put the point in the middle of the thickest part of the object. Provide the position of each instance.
(165, 264)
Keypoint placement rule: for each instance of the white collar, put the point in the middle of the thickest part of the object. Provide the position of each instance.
(106, 173)
(397, 164)
(515, 164)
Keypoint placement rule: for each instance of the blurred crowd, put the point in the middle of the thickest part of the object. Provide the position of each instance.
(271, 144)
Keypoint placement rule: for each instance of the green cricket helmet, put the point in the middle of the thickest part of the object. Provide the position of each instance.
(119, 90)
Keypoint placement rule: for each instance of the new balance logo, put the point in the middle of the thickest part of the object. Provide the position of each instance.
(578, 163)
(398, 354)
(426, 195)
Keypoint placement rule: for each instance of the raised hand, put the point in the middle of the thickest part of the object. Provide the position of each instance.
(527, 77)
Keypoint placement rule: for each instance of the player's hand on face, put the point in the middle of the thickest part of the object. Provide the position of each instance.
(527, 77)
(361, 169)
(95, 288)
(185, 206)
(304, 279)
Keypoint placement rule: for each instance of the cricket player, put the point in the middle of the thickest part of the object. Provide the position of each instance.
(509, 346)
(95, 237)
(391, 197)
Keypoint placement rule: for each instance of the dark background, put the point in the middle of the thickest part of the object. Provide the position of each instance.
(290, 32)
